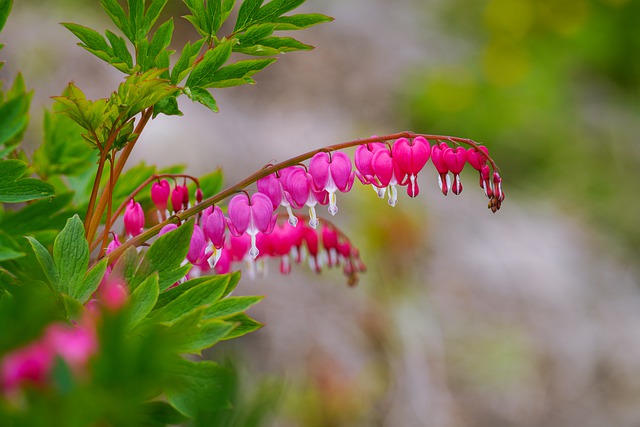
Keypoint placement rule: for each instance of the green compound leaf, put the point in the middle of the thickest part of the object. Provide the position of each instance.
(159, 42)
(215, 282)
(275, 8)
(247, 13)
(152, 15)
(118, 16)
(91, 40)
(214, 59)
(185, 62)
(238, 73)
(14, 189)
(71, 257)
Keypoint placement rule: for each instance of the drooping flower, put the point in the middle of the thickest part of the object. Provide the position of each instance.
(273, 186)
(437, 158)
(197, 247)
(114, 244)
(478, 159)
(299, 191)
(455, 161)
(388, 172)
(176, 198)
(411, 156)
(214, 226)
(363, 159)
(251, 215)
(133, 218)
(28, 365)
(331, 173)
(160, 194)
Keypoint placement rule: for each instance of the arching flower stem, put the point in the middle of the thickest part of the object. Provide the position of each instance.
(229, 191)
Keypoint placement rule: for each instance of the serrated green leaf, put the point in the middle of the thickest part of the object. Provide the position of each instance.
(46, 262)
(202, 96)
(118, 16)
(5, 8)
(165, 255)
(14, 189)
(211, 62)
(90, 283)
(222, 281)
(121, 58)
(254, 34)
(187, 57)
(243, 325)
(159, 42)
(239, 72)
(13, 116)
(91, 40)
(230, 306)
(247, 13)
(300, 21)
(204, 294)
(71, 256)
(152, 15)
(143, 299)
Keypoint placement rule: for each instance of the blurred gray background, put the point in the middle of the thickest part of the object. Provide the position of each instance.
(529, 317)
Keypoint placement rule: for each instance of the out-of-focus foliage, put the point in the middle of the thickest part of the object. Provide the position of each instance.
(553, 85)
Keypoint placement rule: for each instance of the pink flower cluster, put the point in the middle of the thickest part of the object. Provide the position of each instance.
(251, 220)
(32, 364)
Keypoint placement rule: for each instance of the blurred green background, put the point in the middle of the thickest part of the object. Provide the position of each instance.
(530, 317)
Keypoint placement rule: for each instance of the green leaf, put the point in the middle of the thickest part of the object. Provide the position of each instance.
(234, 279)
(46, 214)
(275, 8)
(211, 62)
(230, 306)
(202, 96)
(5, 8)
(247, 13)
(285, 44)
(221, 281)
(198, 386)
(90, 283)
(118, 16)
(136, 18)
(91, 40)
(165, 256)
(152, 15)
(126, 265)
(13, 116)
(46, 262)
(14, 189)
(254, 34)
(143, 299)
(71, 257)
(243, 325)
(204, 335)
(7, 254)
(203, 294)
(159, 42)
(73, 307)
(168, 107)
(121, 58)
(187, 58)
(300, 21)
(238, 73)
(161, 414)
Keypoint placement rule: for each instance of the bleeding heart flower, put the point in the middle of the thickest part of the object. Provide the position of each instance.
(251, 215)
(133, 218)
(160, 194)
(411, 156)
(437, 158)
(331, 173)
(388, 173)
(455, 161)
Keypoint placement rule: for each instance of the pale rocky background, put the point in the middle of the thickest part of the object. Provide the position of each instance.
(523, 318)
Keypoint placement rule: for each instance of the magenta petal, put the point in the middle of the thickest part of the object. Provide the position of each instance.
(214, 227)
(476, 158)
(411, 157)
(167, 228)
(340, 169)
(197, 245)
(382, 164)
(297, 187)
(319, 170)
(160, 194)
(176, 198)
(270, 186)
(240, 212)
(262, 212)
(133, 218)
(437, 158)
(455, 159)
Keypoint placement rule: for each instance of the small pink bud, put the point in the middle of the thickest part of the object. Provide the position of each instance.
(486, 184)
(133, 218)
(160, 194)
(114, 244)
(167, 228)
(74, 344)
(199, 195)
(176, 198)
